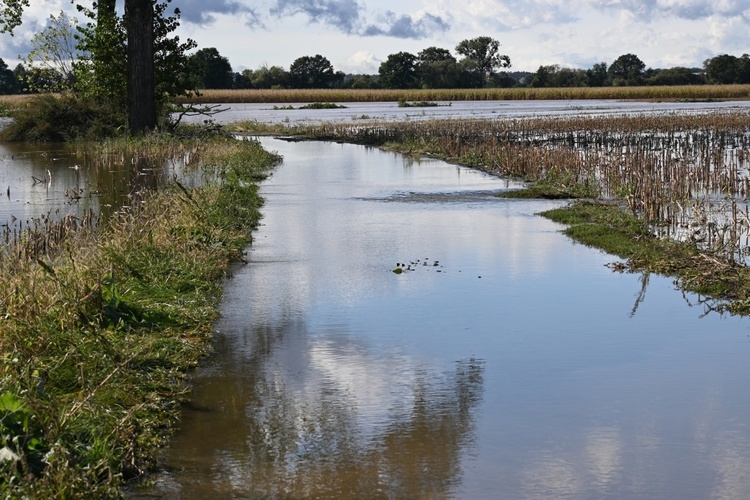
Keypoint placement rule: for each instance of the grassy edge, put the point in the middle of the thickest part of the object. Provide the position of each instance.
(97, 338)
(610, 228)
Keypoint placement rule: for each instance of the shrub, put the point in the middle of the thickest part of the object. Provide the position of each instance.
(59, 118)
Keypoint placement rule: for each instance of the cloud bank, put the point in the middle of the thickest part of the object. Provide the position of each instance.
(346, 16)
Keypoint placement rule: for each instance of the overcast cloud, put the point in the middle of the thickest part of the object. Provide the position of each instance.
(356, 35)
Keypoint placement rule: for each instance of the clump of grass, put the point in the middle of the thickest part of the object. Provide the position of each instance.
(312, 105)
(322, 105)
(403, 103)
(98, 333)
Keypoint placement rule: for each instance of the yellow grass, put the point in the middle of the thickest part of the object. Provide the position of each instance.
(14, 101)
(686, 92)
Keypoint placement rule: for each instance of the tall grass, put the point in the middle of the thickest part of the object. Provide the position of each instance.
(99, 329)
(686, 92)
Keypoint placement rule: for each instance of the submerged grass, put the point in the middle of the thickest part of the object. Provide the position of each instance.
(97, 334)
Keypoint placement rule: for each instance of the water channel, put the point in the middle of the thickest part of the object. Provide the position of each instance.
(504, 362)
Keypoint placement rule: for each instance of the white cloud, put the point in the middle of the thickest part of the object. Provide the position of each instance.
(361, 61)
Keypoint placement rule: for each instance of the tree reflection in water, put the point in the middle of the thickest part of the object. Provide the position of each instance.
(290, 426)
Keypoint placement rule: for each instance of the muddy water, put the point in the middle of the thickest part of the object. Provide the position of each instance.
(513, 365)
(49, 180)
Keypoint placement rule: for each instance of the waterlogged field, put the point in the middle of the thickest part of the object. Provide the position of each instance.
(686, 174)
(503, 361)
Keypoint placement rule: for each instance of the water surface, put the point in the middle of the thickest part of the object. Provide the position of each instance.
(366, 112)
(519, 366)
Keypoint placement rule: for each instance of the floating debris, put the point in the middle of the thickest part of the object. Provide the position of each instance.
(402, 267)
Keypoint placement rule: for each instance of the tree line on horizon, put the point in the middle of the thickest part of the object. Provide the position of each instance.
(479, 66)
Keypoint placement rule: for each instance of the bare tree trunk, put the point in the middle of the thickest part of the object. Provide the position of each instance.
(141, 93)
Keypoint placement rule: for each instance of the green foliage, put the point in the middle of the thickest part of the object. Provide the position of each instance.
(676, 76)
(437, 69)
(484, 53)
(102, 70)
(266, 78)
(8, 81)
(627, 70)
(208, 69)
(22, 446)
(102, 73)
(10, 14)
(50, 118)
(312, 72)
(53, 52)
(403, 103)
(399, 71)
(727, 69)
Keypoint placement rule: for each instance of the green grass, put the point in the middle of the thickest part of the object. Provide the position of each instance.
(98, 334)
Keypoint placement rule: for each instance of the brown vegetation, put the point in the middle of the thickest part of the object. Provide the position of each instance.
(687, 92)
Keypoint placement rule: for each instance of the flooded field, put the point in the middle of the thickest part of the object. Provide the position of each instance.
(368, 112)
(504, 360)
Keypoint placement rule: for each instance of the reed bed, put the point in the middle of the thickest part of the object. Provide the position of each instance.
(685, 175)
(678, 92)
(101, 323)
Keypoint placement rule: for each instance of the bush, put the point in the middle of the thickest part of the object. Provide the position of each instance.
(60, 118)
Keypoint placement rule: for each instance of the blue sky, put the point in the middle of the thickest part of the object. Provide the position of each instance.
(357, 35)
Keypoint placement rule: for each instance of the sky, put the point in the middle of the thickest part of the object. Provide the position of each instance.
(356, 36)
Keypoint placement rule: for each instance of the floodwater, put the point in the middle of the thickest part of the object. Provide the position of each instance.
(368, 112)
(48, 180)
(514, 364)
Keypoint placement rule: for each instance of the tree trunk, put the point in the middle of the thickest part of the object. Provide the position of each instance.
(141, 93)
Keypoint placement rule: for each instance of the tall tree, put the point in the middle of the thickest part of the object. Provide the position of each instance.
(398, 71)
(54, 48)
(627, 70)
(141, 101)
(141, 87)
(437, 68)
(210, 69)
(311, 72)
(597, 76)
(722, 69)
(8, 82)
(484, 53)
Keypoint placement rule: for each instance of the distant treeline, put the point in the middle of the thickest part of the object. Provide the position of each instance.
(480, 66)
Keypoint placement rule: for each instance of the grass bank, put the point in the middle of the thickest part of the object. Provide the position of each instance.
(667, 93)
(99, 328)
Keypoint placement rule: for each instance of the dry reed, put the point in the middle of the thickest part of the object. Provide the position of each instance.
(686, 92)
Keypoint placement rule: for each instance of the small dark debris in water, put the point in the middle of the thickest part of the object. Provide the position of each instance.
(480, 277)
(402, 267)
